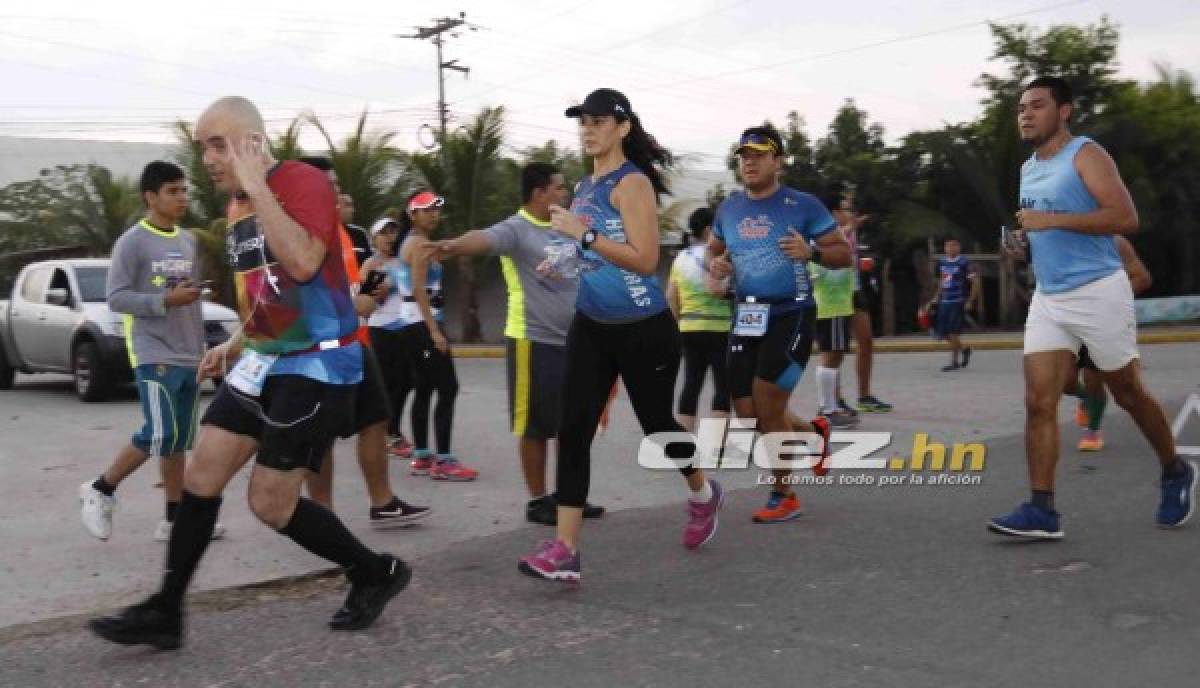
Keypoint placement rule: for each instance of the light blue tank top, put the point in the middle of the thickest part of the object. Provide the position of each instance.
(1063, 259)
(401, 276)
(608, 293)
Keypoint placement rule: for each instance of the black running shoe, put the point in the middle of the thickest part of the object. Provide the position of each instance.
(148, 623)
(951, 367)
(846, 408)
(397, 513)
(544, 510)
(366, 601)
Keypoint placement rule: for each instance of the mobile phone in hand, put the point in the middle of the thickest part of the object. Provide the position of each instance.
(373, 280)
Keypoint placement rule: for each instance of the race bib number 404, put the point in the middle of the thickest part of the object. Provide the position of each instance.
(751, 319)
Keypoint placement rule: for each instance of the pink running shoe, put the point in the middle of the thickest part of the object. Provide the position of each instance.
(400, 447)
(553, 562)
(450, 469)
(702, 518)
(421, 465)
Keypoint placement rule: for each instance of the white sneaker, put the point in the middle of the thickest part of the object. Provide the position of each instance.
(97, 510)
(163, 532)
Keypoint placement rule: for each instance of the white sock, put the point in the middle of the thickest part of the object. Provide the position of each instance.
(702, 496)
(827, 388)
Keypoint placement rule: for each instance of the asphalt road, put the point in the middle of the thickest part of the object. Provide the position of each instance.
(875, 586)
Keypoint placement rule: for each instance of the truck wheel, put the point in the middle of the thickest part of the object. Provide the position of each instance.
(91, 380)
(7, 373)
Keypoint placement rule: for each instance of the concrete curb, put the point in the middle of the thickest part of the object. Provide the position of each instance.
(906, 345)
(220, 599)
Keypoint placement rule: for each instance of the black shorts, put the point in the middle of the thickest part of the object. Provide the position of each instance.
(371, 404)
(1085, 362)
(305, 416)
(862, 300)
(535, 379)
(779, 356)
(833, 334)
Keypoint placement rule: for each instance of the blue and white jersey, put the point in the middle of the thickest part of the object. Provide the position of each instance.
(952, 275)
(1064, 259)
(608, 293)
(751, 229)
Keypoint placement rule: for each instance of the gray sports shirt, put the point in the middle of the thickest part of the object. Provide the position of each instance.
(145, 261)
(539, 309)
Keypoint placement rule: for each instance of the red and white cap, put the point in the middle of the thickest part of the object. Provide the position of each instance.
(426, 200)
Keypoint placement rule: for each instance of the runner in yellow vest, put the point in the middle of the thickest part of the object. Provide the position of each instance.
(704, 322)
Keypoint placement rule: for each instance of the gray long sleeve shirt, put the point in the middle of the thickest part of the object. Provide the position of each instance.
(146, 261)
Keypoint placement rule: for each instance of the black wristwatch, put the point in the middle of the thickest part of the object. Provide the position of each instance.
(816, 255)
(589, 237)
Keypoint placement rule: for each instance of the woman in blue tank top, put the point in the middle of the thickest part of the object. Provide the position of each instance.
(419, 282)
(622, 325)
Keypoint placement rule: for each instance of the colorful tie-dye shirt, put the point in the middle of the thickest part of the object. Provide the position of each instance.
(282, 315)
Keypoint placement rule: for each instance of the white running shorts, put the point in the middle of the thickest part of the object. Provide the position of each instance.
(1098, 315)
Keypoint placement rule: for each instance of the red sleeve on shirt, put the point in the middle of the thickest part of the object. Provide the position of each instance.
(308, 198)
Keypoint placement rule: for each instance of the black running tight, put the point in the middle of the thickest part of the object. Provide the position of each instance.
(701, 351)
(646, 356)
(388, 346)
(432, 370)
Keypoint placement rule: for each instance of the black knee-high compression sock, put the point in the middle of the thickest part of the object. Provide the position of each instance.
(319, 531)
(190, 535)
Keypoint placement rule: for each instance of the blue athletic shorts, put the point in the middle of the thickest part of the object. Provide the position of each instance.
(170, 400)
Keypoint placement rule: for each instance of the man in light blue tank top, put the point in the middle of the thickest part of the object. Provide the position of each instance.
(1073, 204)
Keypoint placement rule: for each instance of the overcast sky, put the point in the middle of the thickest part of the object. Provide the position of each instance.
(697, 72)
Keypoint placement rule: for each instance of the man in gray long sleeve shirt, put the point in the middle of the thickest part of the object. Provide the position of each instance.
(154, 283)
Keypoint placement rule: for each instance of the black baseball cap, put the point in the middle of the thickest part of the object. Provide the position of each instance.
(764, 139)
(603, 101)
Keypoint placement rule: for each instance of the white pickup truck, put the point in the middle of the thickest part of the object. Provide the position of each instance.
(57, 321)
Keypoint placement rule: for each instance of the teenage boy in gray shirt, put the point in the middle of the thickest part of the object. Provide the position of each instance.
(540, 309)
(154, 282)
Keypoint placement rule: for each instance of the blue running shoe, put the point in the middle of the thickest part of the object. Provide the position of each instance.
(1028, 521)
(1178, 496)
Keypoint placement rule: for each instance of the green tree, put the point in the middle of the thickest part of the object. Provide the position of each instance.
(73, 204)
(207, 201)
(366, 162)
(470, 172)
(1153, 132)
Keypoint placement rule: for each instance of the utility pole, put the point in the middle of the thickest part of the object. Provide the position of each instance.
(435, 34)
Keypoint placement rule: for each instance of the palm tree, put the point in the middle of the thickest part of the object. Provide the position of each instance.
(365, 163)
(208, 202)
(479, 188)
(286, 146)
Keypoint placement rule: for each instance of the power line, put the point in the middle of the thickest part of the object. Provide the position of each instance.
(434, 34)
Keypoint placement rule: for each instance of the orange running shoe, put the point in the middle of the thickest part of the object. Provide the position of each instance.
(779, 508)
(821, 425)
(1092, 441)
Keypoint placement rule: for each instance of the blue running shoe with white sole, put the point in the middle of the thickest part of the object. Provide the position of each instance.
(1029, 522)
(1178, 498)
